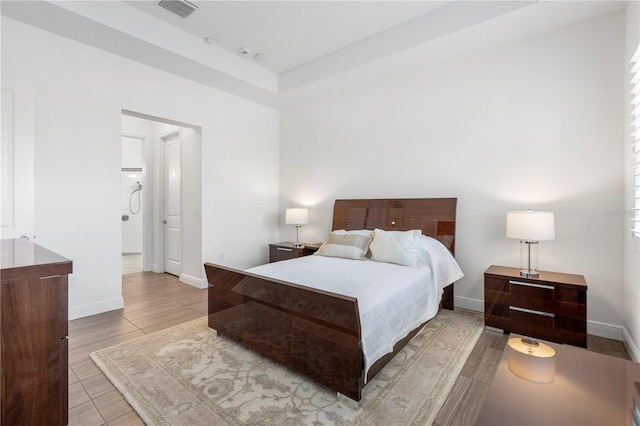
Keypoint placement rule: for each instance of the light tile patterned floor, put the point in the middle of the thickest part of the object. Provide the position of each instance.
(157, 301)
(152, 302)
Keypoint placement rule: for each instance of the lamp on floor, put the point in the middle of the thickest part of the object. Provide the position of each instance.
(530, 227)
(297, 217)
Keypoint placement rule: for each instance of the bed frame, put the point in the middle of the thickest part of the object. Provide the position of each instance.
(316, 332)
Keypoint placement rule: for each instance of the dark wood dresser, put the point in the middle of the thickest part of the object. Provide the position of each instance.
(34, 331)
(552, 306)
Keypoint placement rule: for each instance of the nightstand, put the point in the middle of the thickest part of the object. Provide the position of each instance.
(286, 250)
(552, 306)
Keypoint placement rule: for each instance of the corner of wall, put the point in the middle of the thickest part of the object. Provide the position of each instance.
(193, 281)
(631, 346)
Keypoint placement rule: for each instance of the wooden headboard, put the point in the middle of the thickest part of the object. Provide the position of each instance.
(436, 217)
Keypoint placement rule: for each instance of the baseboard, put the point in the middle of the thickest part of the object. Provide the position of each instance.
(602, 329)
(631, 346)
(96, 308)
(467, 303)
(194, 281)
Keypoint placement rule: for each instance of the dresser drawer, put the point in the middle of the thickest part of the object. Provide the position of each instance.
(553, 307)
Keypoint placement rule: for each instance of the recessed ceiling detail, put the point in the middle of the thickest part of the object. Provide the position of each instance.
(315, 48)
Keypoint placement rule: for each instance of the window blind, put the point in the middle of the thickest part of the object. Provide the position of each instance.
(635, 143)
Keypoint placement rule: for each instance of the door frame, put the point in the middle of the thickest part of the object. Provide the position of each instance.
(162, 199)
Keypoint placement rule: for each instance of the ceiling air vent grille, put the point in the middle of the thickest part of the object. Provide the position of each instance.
(180, 7)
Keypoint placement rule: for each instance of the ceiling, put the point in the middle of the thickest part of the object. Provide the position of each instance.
(310, 48)
(288, 33)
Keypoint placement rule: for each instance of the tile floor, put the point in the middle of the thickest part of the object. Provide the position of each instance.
(152, 302)
(157, 301)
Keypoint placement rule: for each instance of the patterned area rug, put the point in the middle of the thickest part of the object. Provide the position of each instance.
(187, 375)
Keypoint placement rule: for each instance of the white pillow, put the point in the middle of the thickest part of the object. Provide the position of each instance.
(347, 244)
(400, 247)
(433, 254)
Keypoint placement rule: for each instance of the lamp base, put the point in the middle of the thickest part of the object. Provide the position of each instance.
(298, 245)
(529, 274)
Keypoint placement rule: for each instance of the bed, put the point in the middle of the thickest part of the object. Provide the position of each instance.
(317, 330)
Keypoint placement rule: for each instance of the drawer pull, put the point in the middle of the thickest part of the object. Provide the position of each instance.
(546, 287)
(284, 249)
(531, 311)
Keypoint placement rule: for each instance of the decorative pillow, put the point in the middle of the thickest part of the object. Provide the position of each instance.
(347, 244)
(399, 247)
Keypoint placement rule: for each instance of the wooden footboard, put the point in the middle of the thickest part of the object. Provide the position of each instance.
(314, 332)
(311, 331)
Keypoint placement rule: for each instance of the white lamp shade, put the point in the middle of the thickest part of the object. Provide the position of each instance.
(296, 216)
(530, 225)
(536, 364)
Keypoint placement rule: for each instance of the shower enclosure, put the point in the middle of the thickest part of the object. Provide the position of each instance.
(132, 204)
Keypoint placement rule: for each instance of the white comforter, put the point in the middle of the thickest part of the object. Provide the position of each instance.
(392, 299)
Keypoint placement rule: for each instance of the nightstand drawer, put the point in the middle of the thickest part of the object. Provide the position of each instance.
(285, 251)
(521, 289)
(552, 307)
(278, 253)
(531, 317)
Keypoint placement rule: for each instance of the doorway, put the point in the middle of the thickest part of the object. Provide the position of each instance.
(132, 180)
(172, 144)
(168, 189)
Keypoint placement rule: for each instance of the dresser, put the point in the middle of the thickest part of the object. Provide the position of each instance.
(286, 250)
(552, 306)
(34, 333)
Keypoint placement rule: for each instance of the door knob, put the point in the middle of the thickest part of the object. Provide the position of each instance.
(125, 217)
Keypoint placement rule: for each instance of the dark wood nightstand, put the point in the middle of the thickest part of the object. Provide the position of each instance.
(552, 306)
(287, 250)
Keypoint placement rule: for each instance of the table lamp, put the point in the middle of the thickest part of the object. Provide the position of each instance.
(530, 227)
(532, 360)
(296, 217)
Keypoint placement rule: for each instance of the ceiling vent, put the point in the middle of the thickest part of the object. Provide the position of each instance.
(180, 7)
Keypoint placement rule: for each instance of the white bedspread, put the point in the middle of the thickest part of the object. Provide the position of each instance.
(392, 299)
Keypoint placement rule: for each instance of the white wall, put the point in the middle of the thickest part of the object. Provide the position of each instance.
(192, 269)
(77, 93)
(18, 134)
(535, 124)
(631, 244)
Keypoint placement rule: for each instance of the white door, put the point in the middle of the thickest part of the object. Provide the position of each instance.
(173, 203)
